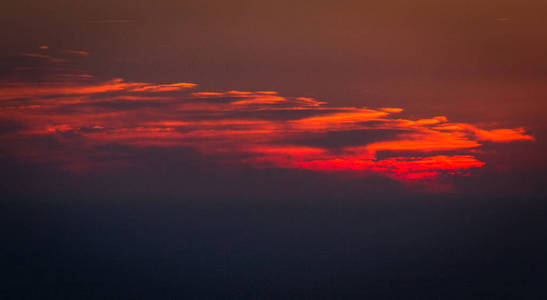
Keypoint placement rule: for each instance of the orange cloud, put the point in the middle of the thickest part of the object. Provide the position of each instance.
(44, 56)
(77, 52)
(503, 135)
(339, 120)
(16, 90)
(391, 109)
(426, 141)
(164, 87)
(494, 135)
(260, 128)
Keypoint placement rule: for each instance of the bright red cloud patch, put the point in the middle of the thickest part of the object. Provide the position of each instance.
(262, 128)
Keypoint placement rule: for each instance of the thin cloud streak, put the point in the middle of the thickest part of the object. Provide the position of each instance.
(44, 56)
(77, 52)
(110, 21)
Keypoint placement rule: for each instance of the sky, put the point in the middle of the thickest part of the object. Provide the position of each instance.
(293, 149)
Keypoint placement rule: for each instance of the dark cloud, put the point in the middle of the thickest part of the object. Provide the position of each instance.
(339, 139)
(10, 126)
(280, 114)
(123, 104)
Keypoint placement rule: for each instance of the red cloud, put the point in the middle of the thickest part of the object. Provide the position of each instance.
(263, 128)
(164, 87)
(44, 56)
(77, 52)
(17, 90)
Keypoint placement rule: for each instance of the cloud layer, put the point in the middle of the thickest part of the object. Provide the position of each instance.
(258, 128)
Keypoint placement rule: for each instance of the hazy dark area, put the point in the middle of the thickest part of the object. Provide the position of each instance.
(371, 247)
(191, 230)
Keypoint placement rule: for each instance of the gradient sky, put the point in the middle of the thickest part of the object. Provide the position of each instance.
(275, 115)
(455, 76)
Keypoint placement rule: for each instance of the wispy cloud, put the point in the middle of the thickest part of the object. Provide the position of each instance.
(77, 52)
(44, 56)
(111, 21)
(259, 128)
(60, 89)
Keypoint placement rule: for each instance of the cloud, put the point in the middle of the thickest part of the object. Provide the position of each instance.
(426, 141)
(164, 87)
(62, 89)
(111, 21)
(44, 56)
(77, 52)
(503, 135)
(493, 135)
(404, 168)
(261, 129)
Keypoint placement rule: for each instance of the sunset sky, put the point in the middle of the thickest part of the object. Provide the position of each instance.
(273, 149)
